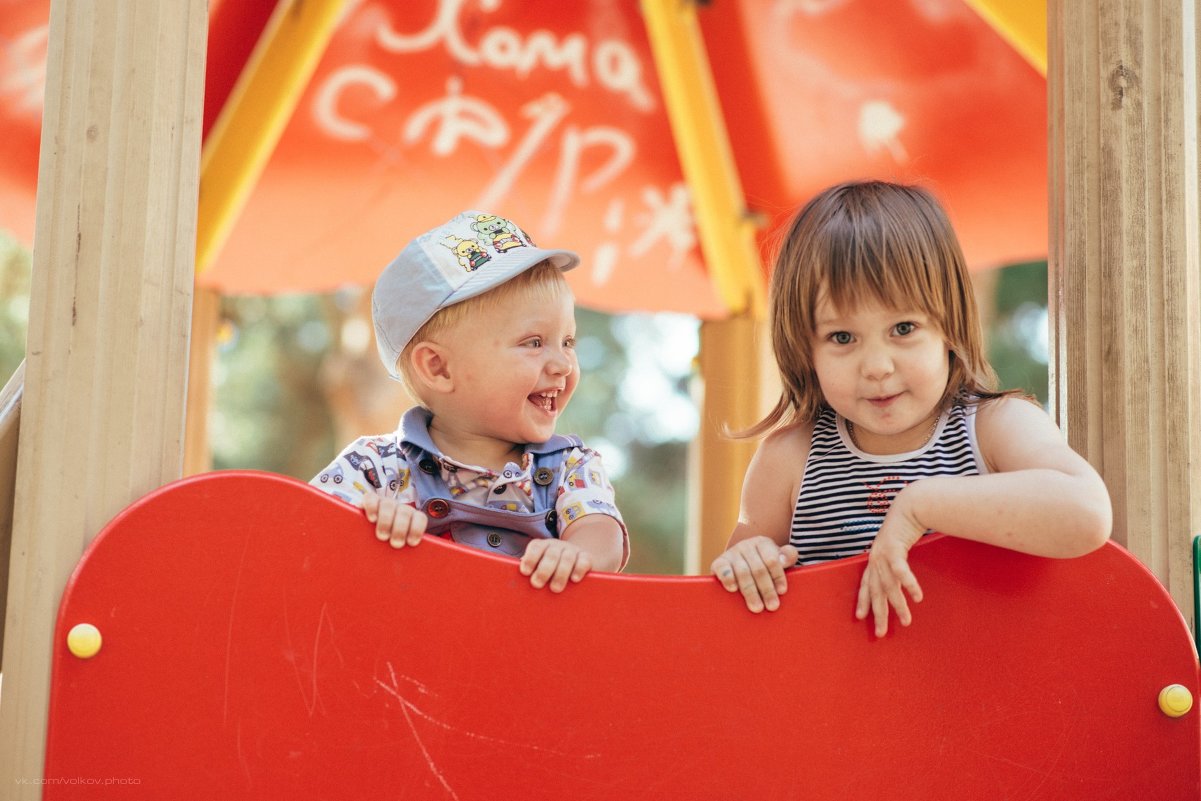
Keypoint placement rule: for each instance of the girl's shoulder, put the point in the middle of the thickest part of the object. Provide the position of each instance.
(786, 446)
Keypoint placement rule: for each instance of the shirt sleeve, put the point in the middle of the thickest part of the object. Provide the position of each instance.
(585, 490)
(369, 464)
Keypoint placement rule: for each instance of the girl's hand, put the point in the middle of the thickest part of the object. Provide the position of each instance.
(554, 561)
(396, 523)
(888, 577)
(755, 566)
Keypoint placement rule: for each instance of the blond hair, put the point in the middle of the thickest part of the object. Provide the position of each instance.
(544, 281)
(865, 242)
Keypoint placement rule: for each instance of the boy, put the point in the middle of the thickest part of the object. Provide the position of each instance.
(480, 326)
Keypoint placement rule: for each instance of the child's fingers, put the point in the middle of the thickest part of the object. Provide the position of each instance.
(546, 568)
(565, 570)
(532, 556)
(744, 575)
(583, 564)
(724, 570)
(773, 560)
(385, 517)
(863, 604)
(371, 506)
(409, 527)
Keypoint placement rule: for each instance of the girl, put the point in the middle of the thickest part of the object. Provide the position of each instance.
(888, 427)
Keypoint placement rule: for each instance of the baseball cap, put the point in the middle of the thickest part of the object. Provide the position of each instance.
(471, 253)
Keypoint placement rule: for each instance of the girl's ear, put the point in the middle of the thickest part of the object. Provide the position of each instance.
(430, 365)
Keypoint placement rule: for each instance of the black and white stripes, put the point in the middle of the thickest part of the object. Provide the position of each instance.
(845, 492)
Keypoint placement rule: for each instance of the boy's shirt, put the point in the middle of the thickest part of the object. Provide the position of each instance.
(379, 464)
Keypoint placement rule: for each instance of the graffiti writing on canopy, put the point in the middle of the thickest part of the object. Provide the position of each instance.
(465, 108)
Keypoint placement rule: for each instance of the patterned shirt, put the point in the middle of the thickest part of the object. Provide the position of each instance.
(379, 464)
(845, 492)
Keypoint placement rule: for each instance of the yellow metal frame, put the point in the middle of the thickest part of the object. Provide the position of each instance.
(726, 229)
(1022, 24)
(253, 119)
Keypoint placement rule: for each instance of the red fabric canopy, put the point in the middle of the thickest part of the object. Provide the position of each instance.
(551, 113)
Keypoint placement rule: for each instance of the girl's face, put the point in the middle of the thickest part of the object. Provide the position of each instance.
(883, 369)
(514, 370)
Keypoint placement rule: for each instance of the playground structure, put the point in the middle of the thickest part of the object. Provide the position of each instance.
(262, 655)
(1125, 323)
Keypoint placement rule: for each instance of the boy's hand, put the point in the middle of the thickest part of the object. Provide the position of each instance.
(399, 524)
(554, 561)
(755, 566)
(888, 577)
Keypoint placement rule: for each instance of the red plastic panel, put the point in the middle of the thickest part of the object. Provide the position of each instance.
(258, 642)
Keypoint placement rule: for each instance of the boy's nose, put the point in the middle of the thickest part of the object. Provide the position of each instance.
(560, 363)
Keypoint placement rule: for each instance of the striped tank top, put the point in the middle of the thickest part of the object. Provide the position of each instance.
(845, 492)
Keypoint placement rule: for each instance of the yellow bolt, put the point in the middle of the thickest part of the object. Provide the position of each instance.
(1175, 700)
(84, 641)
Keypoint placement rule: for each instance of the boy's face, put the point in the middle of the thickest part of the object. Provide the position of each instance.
(514, 369)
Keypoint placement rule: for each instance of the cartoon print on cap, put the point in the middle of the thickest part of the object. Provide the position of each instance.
(497, 232)
(469, 253)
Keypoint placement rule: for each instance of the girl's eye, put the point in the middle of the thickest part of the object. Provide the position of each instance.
(569, 342)
(840, 338)
(905, 329)
(534, 342)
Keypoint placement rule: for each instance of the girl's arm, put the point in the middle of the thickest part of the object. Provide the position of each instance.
(1042, 498)
(758, 551)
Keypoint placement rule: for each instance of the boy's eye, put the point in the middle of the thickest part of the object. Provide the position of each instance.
(905, 329)
(840, 338)
(569, 342)
(534, 342)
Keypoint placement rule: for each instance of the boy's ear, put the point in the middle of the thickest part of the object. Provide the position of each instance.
(430, 366)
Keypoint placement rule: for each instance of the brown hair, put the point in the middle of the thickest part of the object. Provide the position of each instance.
(544, 281)
(879, 242)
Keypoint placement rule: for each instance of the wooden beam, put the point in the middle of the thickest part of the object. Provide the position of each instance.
(10, 422)
(102, 417)
(1125, 274)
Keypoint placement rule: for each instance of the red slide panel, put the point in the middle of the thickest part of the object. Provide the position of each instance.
(257, 642)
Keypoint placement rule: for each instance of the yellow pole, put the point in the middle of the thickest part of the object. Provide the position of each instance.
(724, 226)
(1022, 24)
(259, 107)
(235, 152)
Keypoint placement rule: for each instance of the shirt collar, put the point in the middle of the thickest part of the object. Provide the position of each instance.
(414, 432)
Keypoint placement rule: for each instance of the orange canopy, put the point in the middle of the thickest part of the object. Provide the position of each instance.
(551, 113)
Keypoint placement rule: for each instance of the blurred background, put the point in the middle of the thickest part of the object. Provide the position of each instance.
(283, 361)
(381, 118)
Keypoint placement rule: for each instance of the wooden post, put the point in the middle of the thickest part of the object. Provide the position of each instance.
(1125, 289)
(10, 421)
(735, 358)
(102, 418)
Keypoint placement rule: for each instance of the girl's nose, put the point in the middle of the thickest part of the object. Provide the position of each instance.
(877, 363)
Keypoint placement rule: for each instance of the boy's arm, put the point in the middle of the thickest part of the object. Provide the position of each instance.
(595, 540)
(1042, 499)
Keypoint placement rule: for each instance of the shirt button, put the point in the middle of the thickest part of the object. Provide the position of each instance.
(428, 466)
(494, 539)
(543, 476)
(499, 490)
(552, 519)
(437, 508)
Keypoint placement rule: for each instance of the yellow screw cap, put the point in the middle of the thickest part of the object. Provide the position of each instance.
(84, 641)
(1175, 700)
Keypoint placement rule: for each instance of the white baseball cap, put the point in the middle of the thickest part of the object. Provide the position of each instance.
(472, 253)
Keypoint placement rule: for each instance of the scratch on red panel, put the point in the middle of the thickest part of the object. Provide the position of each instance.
(229, 636)
(409, 706)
